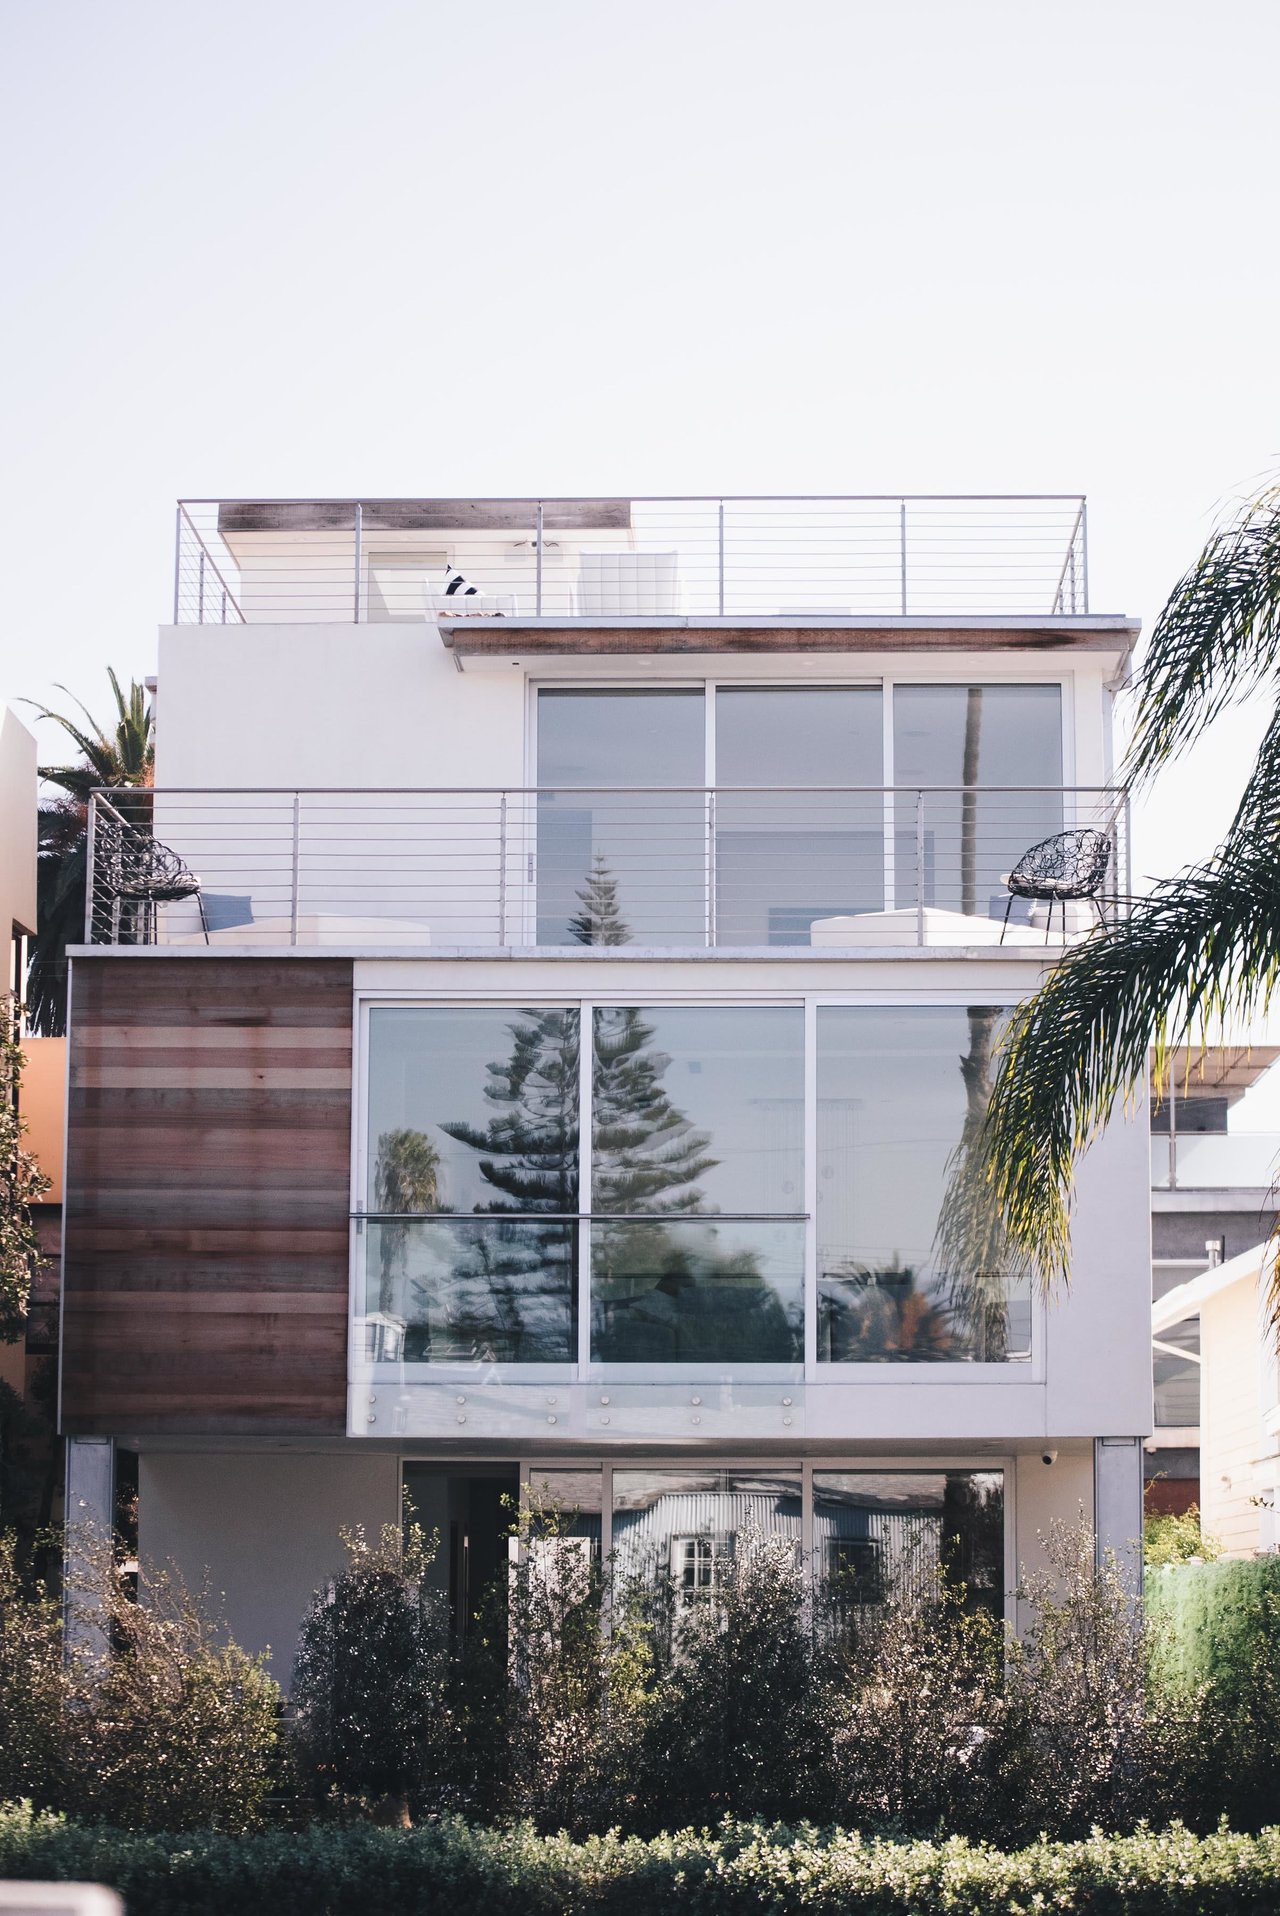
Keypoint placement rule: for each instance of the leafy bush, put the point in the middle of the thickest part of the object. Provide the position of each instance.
(739, 1870)
(34, 1687)
(370, 1678)
(153, 1721)
(1171, 1538)
(730, 1718)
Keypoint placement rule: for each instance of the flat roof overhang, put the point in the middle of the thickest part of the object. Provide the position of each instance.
(480, 636)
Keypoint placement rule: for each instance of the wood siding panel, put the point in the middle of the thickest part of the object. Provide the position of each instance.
(209, 1139)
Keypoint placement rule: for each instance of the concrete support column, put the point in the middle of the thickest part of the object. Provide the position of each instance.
(90, 1509)
(1117, 1505)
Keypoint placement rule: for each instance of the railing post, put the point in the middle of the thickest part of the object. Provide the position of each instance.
(200, 590)
(902, 553)
(502, 871)
(297, 852)
(920, 868)
(91, 848)
(359, 532)
(177, 560)
(537, 562)
(722, 558)
(1084, 554)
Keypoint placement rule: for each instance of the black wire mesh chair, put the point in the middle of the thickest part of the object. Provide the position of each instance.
(140, 873)
(1070, 865)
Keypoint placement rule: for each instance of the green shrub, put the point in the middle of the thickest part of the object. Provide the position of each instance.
(34, 1722)
(369, 1682)
(740, 1870)
(173, 1728)
(1217, 1627)
(1169, 1537)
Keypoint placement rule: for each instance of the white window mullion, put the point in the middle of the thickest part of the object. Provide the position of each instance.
(811, 1189)
(586, 1053)
(887, 774)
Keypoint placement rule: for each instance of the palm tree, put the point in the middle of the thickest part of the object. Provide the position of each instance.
(1198, 948)
(122, 756)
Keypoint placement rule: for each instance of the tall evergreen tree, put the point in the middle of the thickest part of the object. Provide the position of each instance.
(600, 921)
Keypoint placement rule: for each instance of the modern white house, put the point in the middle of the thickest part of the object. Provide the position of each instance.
(520, 1046)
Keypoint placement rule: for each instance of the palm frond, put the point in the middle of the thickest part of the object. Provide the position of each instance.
(1215, 642)
(1198, 949)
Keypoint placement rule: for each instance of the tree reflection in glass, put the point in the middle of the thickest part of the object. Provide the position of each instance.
(669, 1284)
(500, 1284)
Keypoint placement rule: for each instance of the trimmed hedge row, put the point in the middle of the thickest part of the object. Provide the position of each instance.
(1221, 1620)
(333, 1870)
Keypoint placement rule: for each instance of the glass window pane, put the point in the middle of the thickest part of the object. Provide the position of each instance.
(1177, 1379)
(574, 1499)
(799, 735)
(473, 1110)
(479, 1290)
(987, 736)
(785, 858)
(614, 870)
(694, 1290)
(698, 1108)
(881, 1536)
(674, 1524)
(896, 1088)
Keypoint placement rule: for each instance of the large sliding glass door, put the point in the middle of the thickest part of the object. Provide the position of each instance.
(1003, 745)
(795, 852)
(621, 821)
(741, 815)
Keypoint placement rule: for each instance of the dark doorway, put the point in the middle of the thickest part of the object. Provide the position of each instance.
(472, 1511)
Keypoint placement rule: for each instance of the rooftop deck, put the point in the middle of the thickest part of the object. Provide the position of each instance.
(796, 561)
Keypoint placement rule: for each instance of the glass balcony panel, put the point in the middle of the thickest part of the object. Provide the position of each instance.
(1232, 1160)
(484, 1290)
(697, 1290)
(881, 1536)
(698, 1109)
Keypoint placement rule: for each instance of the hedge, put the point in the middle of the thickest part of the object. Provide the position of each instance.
(743, 1870)
(1220, 1621)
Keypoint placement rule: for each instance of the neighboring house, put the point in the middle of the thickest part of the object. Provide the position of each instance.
(1239, 1428)
(1211, 1200)
(536, 1056)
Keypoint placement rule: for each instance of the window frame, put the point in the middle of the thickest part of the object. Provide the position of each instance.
(582, 1369)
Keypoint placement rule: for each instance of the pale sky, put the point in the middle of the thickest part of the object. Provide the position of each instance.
(301, 248)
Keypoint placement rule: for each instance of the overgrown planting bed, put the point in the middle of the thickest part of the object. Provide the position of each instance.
(331, 1870)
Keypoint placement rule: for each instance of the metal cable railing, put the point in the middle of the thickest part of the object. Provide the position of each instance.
(378, 561)
(725, 867)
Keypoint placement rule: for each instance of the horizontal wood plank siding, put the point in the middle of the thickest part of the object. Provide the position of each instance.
(209, 1138)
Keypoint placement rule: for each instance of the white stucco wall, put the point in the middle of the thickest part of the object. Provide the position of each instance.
(262, 1528)
(385, 705)
(17, 827)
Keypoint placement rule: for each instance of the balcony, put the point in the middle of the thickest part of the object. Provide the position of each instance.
(671, 869)
(470, 563)
(1215, 1161)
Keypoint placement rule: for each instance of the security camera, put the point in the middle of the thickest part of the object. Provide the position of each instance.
(1048, 1456)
